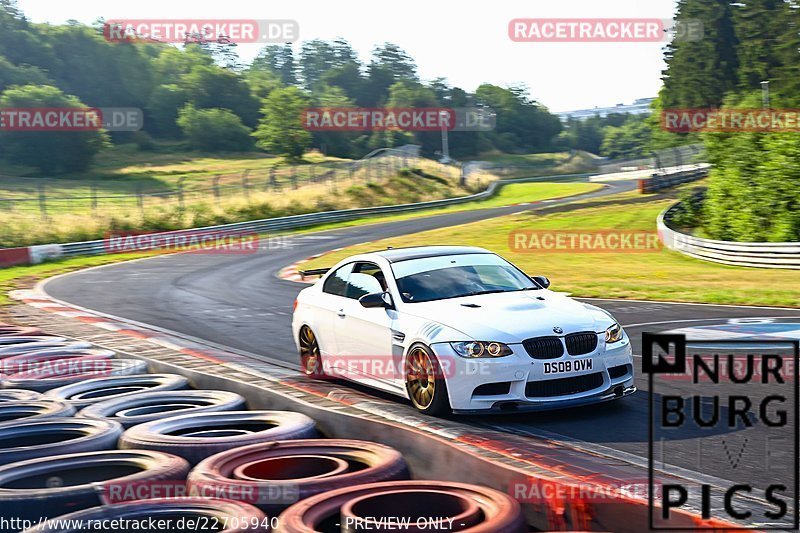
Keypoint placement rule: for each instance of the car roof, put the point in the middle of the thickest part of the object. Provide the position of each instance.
(395, 255)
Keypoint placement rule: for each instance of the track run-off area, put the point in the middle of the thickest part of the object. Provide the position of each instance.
(239, 302)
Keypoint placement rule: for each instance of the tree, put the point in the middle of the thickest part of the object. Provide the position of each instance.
(628, 140)
(522, 125)
(409, 93)
(701, 72)
(754, 184)
(49, 151)
(279, 59)
(759, 23)
(212, 86)
(348, 77)
(20, 75)
(20, 42)
(318, 57)
(787, 74)
(389, 65)
(584, 134)
(396, 61)
(280, 129)
(335, 143)
(98, 72)
(214, 130)
(162, 110)
(171, 64)
(261, 82)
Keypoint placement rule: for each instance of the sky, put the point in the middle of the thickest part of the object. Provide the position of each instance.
(467, 43)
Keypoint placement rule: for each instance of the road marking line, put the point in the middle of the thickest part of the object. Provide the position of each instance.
(688, 303)
(698, 320)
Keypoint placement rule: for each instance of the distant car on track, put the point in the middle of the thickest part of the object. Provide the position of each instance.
(459, 329)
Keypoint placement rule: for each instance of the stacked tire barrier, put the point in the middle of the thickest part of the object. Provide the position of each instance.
(146, 447)
(664, 181)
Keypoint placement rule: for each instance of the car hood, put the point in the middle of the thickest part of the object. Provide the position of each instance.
(512, 317)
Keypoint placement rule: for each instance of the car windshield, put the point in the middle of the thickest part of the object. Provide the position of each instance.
(453, 276)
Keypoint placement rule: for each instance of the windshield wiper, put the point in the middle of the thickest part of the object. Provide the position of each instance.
(491, 291)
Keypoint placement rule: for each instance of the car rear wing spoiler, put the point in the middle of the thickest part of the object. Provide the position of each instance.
(313, 272)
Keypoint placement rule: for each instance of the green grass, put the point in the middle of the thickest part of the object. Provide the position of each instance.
(657, 275)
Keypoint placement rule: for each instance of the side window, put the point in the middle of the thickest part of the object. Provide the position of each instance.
(337, 282)
(367, 278)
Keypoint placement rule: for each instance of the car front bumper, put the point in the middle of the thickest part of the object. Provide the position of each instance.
(518, 382)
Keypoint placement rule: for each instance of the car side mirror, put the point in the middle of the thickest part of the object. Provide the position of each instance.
(377, 299)
(542, 281)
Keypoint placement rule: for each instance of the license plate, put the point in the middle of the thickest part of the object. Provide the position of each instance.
(564, 367)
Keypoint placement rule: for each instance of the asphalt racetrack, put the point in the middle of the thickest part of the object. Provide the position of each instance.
(239, 302)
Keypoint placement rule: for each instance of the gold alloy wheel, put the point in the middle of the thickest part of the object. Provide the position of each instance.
(420, 378)
(309, 352)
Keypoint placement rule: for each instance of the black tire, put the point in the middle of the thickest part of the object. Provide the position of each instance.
(18, 395)
(9, 330)
(85, 393)
(239, 517)
(29, 439)
(20, 363)
(425, 383)
(9, 340)
(310, 356)
(195, 437)
(46, 380)
(148, 406)
(277, 475)
(48, 359)
(52, 486)
(32, 344)
(13, 412)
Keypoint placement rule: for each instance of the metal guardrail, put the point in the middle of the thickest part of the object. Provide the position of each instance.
(310, 219)
(748, 254)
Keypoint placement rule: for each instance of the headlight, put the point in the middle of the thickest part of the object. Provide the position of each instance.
(614, 334)
(481, 349)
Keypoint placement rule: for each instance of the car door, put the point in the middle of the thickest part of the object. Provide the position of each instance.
(328, 306)
(364, 336)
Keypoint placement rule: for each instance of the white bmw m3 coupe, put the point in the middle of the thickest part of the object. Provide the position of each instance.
(458, 329)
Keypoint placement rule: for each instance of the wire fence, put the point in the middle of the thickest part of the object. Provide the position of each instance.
(45, 198)
(660, 162)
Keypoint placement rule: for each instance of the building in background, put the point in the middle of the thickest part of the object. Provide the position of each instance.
(640, 106)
